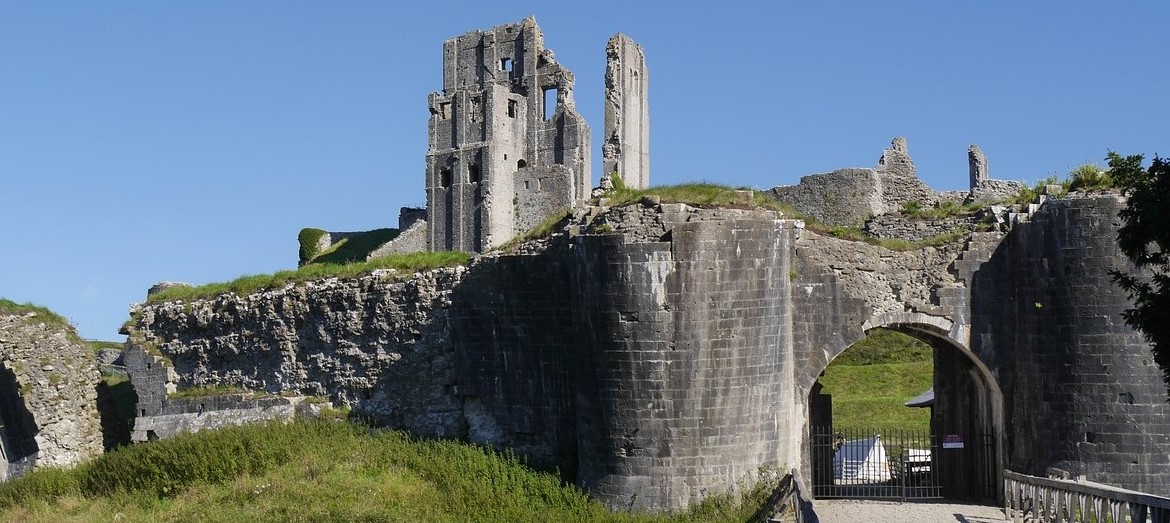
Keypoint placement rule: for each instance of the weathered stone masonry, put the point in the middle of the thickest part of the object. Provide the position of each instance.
(48, 396)
(1082, 392)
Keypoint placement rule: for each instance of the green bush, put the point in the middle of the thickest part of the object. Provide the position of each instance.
(356, 248)
(310, 240)
(1089, 177)
(40, 484)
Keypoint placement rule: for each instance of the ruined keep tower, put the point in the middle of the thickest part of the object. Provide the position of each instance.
(627, 113)
(506, 146)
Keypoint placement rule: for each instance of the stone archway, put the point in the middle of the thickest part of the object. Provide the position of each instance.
(968, 409)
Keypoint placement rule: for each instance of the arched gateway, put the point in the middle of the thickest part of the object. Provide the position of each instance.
(959, 458)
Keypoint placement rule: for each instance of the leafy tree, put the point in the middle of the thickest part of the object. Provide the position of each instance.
(1145, 239)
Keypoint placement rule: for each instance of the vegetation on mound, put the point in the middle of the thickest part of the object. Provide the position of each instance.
(355, 248)
(418, 261)
(699, 195)
(885, 346)
(872, 380)
(203, 392)
(893, 244)
(544, 229)
(42, 315)
(97, 345)
(949, 209)
(318, 471)
(309, 240)
(1087, 178)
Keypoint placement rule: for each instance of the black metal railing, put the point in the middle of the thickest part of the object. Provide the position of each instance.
(850, 463)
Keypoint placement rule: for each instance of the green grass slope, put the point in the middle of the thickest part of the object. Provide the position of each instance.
(871, 381)
(317, 471)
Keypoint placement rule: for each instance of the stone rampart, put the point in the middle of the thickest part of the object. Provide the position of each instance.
(1081, 390)
(665, 352)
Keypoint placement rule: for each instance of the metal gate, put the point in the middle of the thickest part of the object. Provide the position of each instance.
(903, 465)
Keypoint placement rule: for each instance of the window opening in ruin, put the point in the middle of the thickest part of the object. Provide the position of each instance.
(445, 177)
(472, 173)
(444, 110)
(506, 64)
(520, 164)
(511, 108)
(550, 102)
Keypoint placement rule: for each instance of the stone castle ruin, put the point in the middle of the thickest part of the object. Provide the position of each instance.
(506, 145)
(853, 196)
(659, 353)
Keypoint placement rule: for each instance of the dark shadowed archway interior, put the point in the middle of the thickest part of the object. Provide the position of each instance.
(18, 429)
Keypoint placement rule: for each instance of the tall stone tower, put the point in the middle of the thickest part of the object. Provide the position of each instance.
(506, 146)
(627, 113)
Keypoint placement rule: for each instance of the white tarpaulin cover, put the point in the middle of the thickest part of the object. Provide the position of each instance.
(861, 460)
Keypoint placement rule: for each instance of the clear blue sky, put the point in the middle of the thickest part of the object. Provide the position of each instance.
(191, 141)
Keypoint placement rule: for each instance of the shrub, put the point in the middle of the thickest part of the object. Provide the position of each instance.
(356, 248)
(1089, 177)
(310, 240)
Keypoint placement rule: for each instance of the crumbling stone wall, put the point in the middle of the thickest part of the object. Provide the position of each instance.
(842, 197)
(626, 150)
(850, 196)
(983, 188)
(361, 342)
(513, 351)
(48, 395)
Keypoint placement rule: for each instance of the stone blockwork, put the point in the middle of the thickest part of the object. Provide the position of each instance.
(1082, 393)
(683, 379)
(900, 227)
(842, 197)
(626, 150)
(219, 411)
(48, 395)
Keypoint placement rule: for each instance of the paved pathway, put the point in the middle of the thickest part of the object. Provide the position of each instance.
(857, 511)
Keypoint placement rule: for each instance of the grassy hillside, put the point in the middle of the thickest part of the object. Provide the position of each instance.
(871, 381)
(315, 471)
